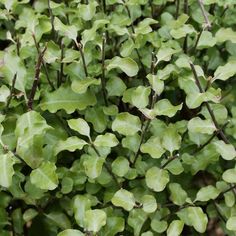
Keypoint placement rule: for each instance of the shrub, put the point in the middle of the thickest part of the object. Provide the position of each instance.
(117, 117)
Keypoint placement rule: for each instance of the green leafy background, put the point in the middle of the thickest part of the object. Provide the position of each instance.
(132, 124)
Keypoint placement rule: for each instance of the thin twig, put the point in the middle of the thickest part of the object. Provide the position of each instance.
(177, 9)
(106, 166)
(197, 41)
(36, 78)
(185, 44)
(104, 6)
(51, 18)
(205, 14)
(103, 70)
(11, 92)
(224, 138)
(44, 65)
(62, 65)
(169, 161)
(80, 47)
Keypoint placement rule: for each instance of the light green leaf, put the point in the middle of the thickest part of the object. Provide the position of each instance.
(164, 54)
(144, 26)
(206, 40)
(171, 140)
(156, 83)
(120, 166)
(127, 65)
(81, 204)
(159, 226)
(197, 125)
(165, 108)
(70, 144)
(197, 218)
(126, 124)
(153, 147)
(113, 226)
(149, 203)
(124, 199)
(6, 169)
(175, 228)
(80, 125)
(140, 96)
(194, 100)
(65, 98)
(154, 174)
(231, 223)
(71, 232)
(226, 71)
(45, 176)
(29, 214)
(81, 86)
(115, 86)
(227, 151)
(59, 219)
(225, 34)
(207, 193)
(87, 12)
(4, 93)
(52, 53)
(127, 47)
(229, 176)
(106, 140)
(93, 165)
(177, 194)
(95, 219)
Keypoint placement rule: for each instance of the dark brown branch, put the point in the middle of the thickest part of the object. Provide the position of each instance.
(198, 38)
(61, 74)
(224, 138)
(177, 9)
(51, 18)
(104, 6)
(44, 65)
(36, 79)
(204, 13)
(103, 81)
(11, 92)
(80, 47)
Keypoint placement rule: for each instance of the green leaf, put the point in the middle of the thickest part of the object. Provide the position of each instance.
(106, 140)
(81, 204)
(165, 54)
(127, 65)
(140, 96)
(231, 223)
(197, 218)
(175, 228)
(81, 86)
(80, 125)
(225, 34)
(153, 147)
(71, 144)
(194, 100)
(4, 93)
(6, 169)
(120, 166)
(227, 151)
(65, 98)
(45, 176)
(94, 220)
(177, 194)
(156, 83)
(171, 140)
(87, 12)
(207, 193)
(206, 40)
(124, 199)
(59, 219)
(149, 203)
(229, 176)
(225, 72)
(29, 214)
(115, 87)
(197, 125)
(71, 232)
(113, 226)
(165, 108)
(126, 124)
(154, 174)
(93, 165)
(144, 26)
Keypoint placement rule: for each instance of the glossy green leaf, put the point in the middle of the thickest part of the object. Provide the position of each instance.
(226, 71)
(81, 86)
(106, 140)
(197, 125)
(165, 108)
(140, 96)
(126, 124)
(149, 203)
(80, 125)
(171, 140)
(155, 173)
(156, 83)
(120, 166)
(127, 65)
(71, 232)
(207, 193)
(225, 34)
(177, 194)
(231, 223)
(87, 12)
(45, 177)
(229, 176)
(95, 219)
(175, 228)
(227, 151)
(124, 199)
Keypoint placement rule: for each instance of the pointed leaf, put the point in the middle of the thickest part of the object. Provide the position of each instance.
(80, 125)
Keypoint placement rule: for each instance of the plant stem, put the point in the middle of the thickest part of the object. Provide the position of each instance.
(11, 92)
(106, 166)
(104, 6)
(204, 13)
(103, 81)
(177, 9)
(224, 138)
(169, 161)
(198, 38)
(62, 65)
(51, 18)
(186, 11)
(36, 79)
(44, 65)
(80, 47)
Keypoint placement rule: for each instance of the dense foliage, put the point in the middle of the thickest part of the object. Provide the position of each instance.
(117, 117)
